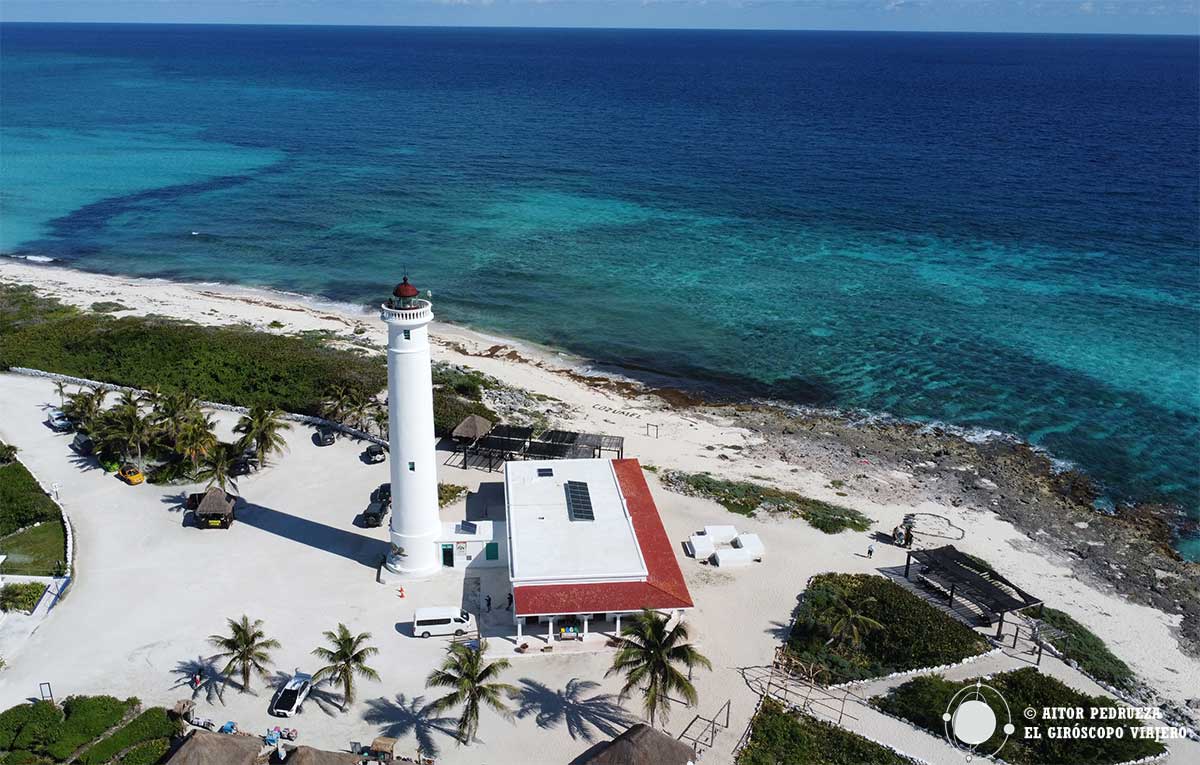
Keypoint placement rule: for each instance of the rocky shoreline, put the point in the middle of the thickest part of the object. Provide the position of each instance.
(1128, 551)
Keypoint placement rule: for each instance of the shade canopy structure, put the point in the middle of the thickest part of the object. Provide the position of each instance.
(471, 428)
(970, 579)
(216, 502)
(204, 748)
(641, 745)
(306, 755)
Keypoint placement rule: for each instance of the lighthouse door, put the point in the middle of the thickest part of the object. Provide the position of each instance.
(448, 555)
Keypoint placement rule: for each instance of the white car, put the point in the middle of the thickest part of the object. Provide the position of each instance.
(290, 697)
(59, 421)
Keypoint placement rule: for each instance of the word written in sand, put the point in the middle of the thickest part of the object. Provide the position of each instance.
(622, 412)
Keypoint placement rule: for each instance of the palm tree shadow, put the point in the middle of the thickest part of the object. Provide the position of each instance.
(404, 715)
(584, 717)
(176, 503)
(212, 682)
(325, 699)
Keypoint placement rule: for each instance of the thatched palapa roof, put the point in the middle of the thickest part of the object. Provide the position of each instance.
(306, 755)
(472, 427)
(216, 502)
(642, 745)
(204, 748)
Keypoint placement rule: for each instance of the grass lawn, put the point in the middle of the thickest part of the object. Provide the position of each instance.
(923, 700)
(38, 551)
(859, 626)
(779, 736)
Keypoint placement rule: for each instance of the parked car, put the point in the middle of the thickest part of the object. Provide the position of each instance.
(375, 513)
(442, 620)
(374, 454)
(383, 494)
(325, 435)
(59, 421)
(83, 444)
(131, 474)
(289, 699)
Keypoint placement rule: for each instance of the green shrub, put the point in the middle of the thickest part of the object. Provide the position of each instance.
(108, 306)
(923, 700)
(38, 728)
(227, 364)
(21, 596)
(465, 382)
(1085, 648)
(148, 753)
(22, 501)
(747, 498)
(449, 409)
(22, 757)
(14, 719)
(911, 633)
(150, 726)
(448, 493)
(86, 718)
(778, 736)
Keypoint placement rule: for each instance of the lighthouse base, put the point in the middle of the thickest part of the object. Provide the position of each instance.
(394, 570)
(412, 556)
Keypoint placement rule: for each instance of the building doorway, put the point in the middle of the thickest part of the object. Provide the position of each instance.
(448, 556)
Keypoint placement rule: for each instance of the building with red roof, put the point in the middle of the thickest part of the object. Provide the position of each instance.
(585, 542)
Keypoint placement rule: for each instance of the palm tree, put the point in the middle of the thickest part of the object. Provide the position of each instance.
(195, 438)
(125, 429)
(471, 679)
(60, 388)
(172, 412)
(379, 417)
(648, 655)
(336, 402)
(346, 658)
(85, 406)
(846, 622)
(217, 466)
(262, 429)
(246, 647)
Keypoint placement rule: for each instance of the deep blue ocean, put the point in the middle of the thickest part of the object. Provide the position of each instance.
(993, 231)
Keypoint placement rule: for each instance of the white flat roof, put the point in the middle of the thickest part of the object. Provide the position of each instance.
(547, 546)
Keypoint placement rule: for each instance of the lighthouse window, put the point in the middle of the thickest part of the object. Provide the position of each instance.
(407, 335)
(412, 467)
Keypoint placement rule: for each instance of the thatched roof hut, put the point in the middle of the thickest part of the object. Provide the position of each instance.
(641, 745)
(216, 502)
(306, 755)
(471, 428)
(204, 748)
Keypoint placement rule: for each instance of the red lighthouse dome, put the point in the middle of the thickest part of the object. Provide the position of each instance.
(405, 291)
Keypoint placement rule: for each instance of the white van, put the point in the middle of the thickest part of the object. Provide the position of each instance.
(442, 620)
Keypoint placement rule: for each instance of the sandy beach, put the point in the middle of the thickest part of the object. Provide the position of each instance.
(264, 564)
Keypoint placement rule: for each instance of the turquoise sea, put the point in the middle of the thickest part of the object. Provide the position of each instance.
(998, 232)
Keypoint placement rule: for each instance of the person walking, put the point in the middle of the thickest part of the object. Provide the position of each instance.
(487, 603)
(871, 550)
(509, 606)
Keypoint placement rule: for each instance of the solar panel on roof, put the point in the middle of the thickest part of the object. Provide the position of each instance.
(545, 472)
(579, 502)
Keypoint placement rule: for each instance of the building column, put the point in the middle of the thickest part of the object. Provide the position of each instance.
(550, 631)
(618, 625)
(519, 628)
(585, 628)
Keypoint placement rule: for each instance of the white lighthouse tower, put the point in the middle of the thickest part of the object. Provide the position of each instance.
(415, 525)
